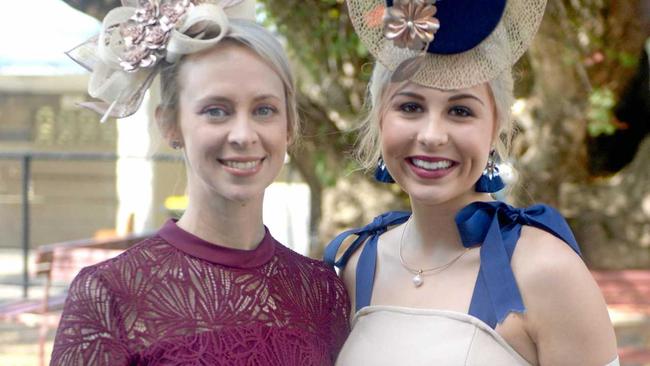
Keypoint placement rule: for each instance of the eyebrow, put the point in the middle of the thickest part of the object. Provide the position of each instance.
(267, 96)
(465, 96)
(451, 99)
(216, 98)
(408, 94)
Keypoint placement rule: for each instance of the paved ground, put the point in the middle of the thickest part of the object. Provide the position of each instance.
(19, 343)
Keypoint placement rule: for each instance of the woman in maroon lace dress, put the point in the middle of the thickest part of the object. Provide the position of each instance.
(214, 287)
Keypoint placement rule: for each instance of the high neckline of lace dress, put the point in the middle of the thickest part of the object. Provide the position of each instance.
(216, 253)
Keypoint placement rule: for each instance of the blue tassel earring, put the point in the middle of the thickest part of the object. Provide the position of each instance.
(490, 181)
(382, 174)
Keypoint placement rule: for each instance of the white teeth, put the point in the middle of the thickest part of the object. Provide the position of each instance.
(429, 165)
(242, 165)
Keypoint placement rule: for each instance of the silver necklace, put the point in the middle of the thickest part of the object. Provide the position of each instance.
(418, 279)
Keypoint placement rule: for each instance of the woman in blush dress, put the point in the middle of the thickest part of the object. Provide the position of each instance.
(462, 279)
(214, 287)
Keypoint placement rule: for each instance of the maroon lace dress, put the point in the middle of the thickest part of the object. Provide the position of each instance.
(175, 299)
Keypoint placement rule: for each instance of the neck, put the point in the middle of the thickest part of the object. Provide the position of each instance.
(433, 230)
(228, 223)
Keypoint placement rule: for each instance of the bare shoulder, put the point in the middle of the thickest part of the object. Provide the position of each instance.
(348, 275)
(550, 273)
(541, 256)
(566, 314)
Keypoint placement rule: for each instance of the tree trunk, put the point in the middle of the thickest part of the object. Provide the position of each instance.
(554, 152)
(610, 216)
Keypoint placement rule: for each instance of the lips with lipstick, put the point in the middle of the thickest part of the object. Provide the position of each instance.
(430, 167)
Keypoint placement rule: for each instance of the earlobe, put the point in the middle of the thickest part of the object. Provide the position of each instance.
(168, 128)
(176, 144)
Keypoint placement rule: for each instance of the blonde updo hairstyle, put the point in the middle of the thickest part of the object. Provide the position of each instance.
(255, 38)
(380, 89)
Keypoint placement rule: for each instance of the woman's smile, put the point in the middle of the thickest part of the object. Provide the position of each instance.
(430, 167)
(242, 166)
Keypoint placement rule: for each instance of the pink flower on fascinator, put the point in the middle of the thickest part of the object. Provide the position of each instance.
(155, 37)
(132, 33)
(138, 56)
(411, 23)
(147, 13)
(172, 13)
(147, 32)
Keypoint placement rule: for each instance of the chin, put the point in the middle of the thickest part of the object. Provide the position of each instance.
(244, 195)
(430, 200)
(430, 196)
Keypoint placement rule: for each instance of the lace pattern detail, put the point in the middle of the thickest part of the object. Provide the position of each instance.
(156, 305)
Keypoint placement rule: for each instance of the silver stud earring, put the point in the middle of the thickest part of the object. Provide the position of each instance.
(176, 144)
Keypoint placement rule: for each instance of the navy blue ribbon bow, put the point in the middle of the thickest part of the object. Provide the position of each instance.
(496, 226)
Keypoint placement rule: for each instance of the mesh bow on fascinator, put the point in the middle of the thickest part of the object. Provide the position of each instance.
(446, 44)
(125, 57)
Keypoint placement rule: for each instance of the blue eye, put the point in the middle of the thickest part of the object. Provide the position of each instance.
(411, 107)
(265, 111)
(461, 111)
(215, 112)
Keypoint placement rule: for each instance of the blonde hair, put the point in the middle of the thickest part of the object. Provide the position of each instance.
(257, 39)
(380, 88)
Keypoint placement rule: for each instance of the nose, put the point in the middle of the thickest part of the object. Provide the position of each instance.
(433, 132)
(242, 132)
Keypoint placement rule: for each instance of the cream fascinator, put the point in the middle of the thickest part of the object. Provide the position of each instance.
(446, 44)
(126, 56)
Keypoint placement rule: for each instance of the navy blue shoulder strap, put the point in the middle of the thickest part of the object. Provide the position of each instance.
(496, 226)
(365, 273)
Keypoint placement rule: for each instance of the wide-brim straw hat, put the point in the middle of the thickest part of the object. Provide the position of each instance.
(473, 40)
